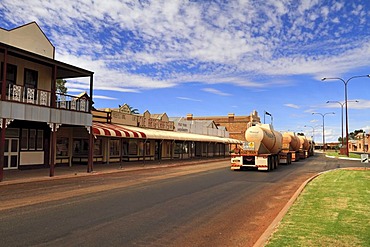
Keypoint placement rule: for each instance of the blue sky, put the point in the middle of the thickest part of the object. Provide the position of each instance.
(211, 58)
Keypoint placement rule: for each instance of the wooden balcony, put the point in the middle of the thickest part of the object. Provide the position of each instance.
(17, 93)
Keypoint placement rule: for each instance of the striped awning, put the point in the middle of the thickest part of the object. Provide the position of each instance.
(180, 136)
(115, 130)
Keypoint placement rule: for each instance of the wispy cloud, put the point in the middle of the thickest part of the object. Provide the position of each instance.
(292, 106)
(139, 45)
(104, 97)
(215, 91)
(190, 99)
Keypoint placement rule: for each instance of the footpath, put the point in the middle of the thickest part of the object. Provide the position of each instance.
(62, 172)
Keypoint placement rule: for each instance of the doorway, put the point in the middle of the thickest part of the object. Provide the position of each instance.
(11, 152)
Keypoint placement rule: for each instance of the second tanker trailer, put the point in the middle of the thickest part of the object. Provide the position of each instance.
(290, 148)
(261, 149)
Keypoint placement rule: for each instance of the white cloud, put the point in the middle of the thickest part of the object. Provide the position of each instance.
(104, 97)
(215, 91)
(235, 42)
(292, 106)
(190, 99)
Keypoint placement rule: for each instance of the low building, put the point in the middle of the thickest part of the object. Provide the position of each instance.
(360, 144)
(202, 127)
(236, 125)
(121, 136)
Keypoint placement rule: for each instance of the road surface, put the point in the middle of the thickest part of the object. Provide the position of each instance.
(197, 205)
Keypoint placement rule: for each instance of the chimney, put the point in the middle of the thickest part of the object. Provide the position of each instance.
(231, 117)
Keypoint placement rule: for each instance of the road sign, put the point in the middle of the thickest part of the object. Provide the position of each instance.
(364, 158)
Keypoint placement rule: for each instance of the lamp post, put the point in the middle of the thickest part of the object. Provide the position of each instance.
(323, 126)
(342, 104)
(345, 100)
(267, 113)
(313, 130)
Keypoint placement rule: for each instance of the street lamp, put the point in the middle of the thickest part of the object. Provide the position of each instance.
(345, 100)
(267, 113)
(323, 126)
(342, 104)
(313, 130)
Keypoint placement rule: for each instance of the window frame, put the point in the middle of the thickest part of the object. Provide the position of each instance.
(32, 73)
(37, 139)
(9, 81)
(114, 147)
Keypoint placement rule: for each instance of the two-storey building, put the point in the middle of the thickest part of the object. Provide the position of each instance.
(31, 112)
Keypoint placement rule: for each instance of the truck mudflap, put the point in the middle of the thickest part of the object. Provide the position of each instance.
(267, 162)
(285, 157)
(262, 162)
(236, 163)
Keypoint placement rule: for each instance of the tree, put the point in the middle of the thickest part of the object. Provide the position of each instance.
(128, 109)
(133, 110)
(351, 136)
(61, 86)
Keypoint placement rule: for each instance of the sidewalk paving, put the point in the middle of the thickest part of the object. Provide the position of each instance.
(61, 172)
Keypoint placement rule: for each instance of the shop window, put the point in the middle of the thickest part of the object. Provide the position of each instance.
(125, 145)
(185, 148)
(32, 139)
(178, 147)
(62, 146)
(80, 146)
(97, 147)
(147, 148)
(24, 139)
(132, 150)
(114, 147)
(141, 148)
(40, 140)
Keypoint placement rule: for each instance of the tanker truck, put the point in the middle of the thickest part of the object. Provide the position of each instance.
(303, 146)
(261, 149)
(311, 147)
(290, 148)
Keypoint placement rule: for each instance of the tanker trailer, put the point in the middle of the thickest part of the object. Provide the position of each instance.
(303, 147)
(290, 148)
(261, 149)
(311, 147)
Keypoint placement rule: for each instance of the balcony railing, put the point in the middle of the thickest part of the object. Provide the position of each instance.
(39, 97)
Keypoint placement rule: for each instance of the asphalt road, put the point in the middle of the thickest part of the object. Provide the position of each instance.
(198, 205)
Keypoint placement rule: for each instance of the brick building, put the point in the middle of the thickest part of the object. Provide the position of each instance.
(236, 125)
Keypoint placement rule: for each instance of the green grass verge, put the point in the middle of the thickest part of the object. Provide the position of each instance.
(336, 154)
(333, 210)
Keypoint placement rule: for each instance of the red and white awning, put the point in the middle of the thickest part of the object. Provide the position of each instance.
(114, 130)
